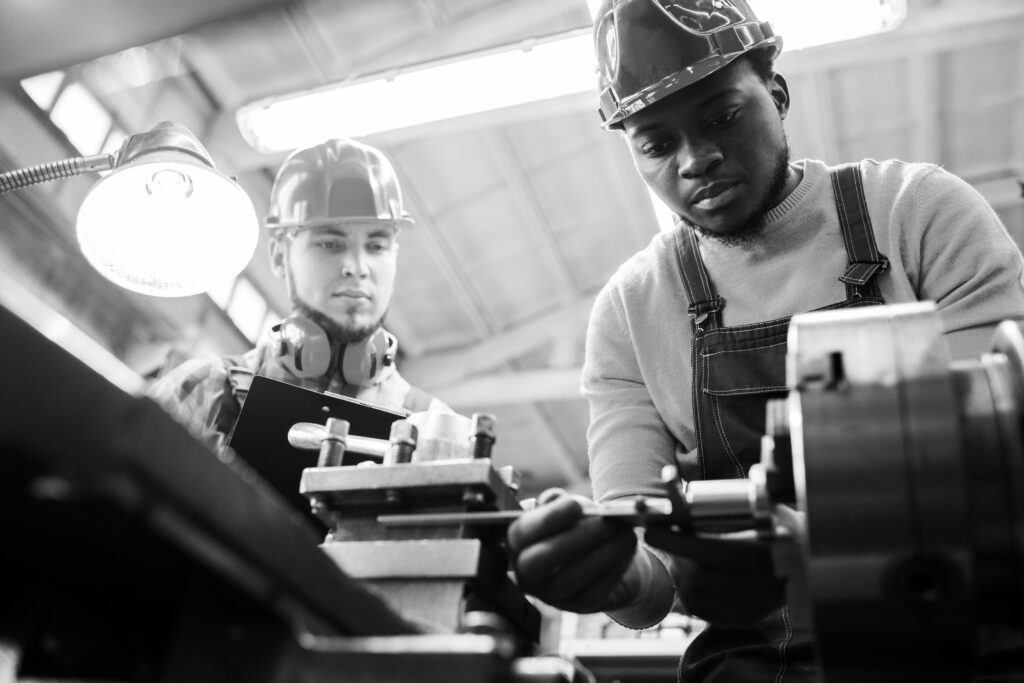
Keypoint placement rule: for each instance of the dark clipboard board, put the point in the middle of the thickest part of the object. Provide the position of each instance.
(270, 409)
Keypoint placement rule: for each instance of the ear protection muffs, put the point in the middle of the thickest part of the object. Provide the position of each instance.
(305, 349)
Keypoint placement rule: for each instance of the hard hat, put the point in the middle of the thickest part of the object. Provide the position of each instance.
(648, 49)
(337, 181)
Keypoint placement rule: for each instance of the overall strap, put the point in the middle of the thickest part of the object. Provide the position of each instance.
(865, 261)
(704, 302)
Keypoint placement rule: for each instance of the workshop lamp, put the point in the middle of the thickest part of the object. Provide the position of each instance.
(528, 71)
(165, 222)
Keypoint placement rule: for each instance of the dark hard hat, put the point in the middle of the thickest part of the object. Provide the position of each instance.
(649, 49)
(336, 181)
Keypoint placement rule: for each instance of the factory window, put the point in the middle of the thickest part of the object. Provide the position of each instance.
(44, 88)
(82, 118)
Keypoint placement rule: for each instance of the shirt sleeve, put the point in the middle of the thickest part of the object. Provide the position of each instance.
(969, 265)
(627, 439)
(197, 393)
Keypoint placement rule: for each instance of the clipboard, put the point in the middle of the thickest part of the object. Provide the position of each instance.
(272, 407)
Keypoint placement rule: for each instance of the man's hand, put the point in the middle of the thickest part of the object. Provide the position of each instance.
(726, 582)
(573, 562)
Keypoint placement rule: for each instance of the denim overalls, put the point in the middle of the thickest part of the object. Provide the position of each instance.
(735, 371)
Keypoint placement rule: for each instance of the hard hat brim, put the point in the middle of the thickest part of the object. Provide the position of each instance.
(675, 82)
(397, 223)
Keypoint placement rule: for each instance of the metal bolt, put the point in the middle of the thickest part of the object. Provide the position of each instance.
(481, 429)
(332, 448)
(402, 443)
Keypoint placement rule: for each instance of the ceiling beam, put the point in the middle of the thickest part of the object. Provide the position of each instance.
(536, 223)
(514, 388)
(36, 37)
(575, 475)
(444, 368)
(447, 262)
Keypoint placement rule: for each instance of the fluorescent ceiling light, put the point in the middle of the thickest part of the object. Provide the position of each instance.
(508, 76)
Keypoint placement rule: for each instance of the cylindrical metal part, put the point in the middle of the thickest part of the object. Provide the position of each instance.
(332, 448)
(402, 443)
(482, 435)
(309, 436)
(720, 503)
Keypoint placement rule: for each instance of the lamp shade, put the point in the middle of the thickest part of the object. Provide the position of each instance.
(165, 222)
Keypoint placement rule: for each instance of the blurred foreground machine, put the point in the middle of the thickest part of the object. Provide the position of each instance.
(132, 552)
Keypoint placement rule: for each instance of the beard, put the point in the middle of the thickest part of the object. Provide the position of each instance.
(754, 226)
(338, 333)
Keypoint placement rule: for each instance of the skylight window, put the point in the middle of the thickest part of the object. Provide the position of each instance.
(248, 309)
(43, 88)
(82, 118)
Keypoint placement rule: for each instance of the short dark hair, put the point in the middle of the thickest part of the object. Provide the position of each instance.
(763, 63)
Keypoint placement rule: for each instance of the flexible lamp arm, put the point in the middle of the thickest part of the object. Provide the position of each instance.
(55, 170)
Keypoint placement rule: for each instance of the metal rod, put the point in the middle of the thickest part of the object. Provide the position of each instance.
(639, 511)
(309, 435)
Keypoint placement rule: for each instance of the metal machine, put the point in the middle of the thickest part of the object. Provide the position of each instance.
(907, 471)
(135, 553)
(449, 578)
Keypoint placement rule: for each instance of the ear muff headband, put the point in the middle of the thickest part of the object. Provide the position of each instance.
(305, 350)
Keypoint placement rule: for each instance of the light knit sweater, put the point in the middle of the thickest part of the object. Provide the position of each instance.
(944, 243)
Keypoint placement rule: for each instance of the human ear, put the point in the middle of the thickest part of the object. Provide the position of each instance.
(278, 253)
(779, 90)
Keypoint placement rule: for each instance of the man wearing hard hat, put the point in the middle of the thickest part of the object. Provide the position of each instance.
(687, 341)
(335, 213)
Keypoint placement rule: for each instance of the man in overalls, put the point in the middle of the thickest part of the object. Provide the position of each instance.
(687, 341)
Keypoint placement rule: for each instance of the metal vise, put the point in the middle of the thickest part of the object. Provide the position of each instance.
(449, 579)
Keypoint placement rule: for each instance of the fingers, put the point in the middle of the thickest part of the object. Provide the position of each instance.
(585, 580)
(566, 559)
(549, 495)
(556, 512)
(536, 562)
